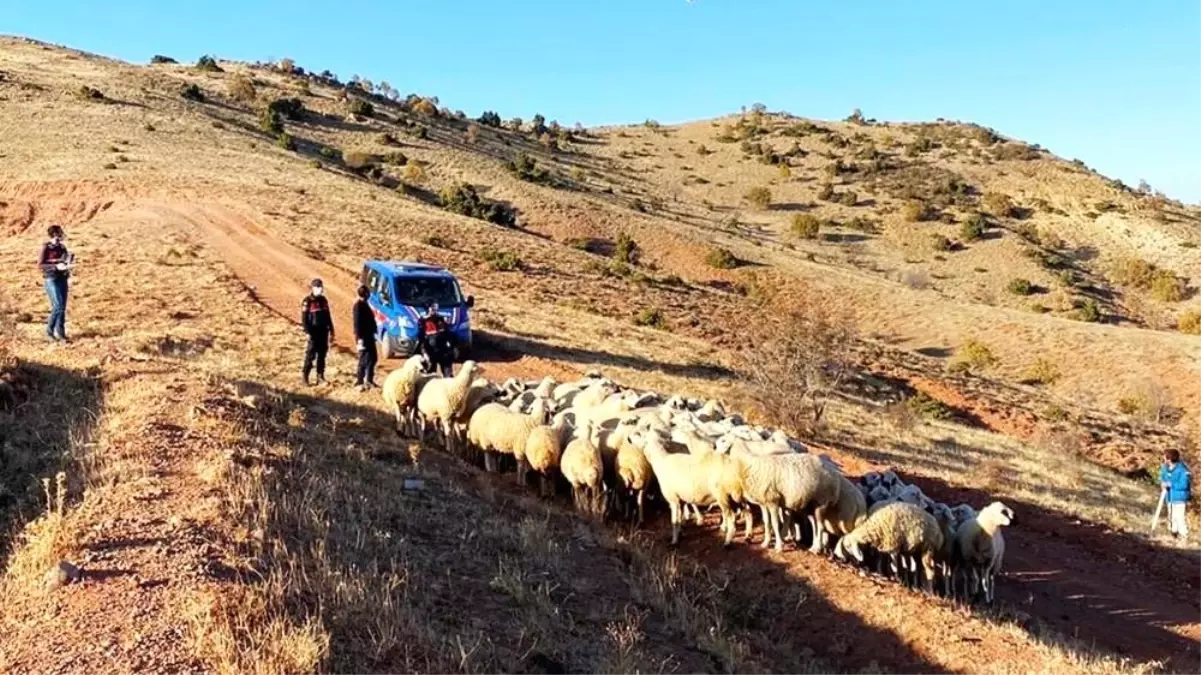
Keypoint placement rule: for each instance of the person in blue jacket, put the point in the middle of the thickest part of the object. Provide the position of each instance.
(1176, 481)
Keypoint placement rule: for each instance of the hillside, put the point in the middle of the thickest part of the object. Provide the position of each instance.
(199, 217)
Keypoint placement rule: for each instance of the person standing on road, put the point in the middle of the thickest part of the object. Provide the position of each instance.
(318, 323)
(436, 341)
(1176, 482)
(55, 264)
(365, 330)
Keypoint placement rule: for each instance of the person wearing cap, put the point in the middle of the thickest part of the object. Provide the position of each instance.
(55, 264)
(318, 323)
(365, 329)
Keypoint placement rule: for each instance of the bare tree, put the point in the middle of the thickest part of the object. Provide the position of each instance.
(802, 361)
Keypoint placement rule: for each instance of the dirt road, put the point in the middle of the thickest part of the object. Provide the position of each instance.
(1104, 590)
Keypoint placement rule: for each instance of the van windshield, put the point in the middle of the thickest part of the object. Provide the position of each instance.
(421, 291)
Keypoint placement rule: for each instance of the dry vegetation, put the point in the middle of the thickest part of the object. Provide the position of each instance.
(203, 490)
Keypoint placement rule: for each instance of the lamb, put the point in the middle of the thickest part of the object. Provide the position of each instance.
(400, 392)
(897, 530)
(980, 548)
(711, 411)
(847, 514)
(481, 392)
(442, 397)
(543, 448)
(626, 466)
(583, 468)
(496, 429)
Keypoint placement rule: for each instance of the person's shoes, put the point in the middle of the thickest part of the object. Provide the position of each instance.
(51, 336)
(321, 380)
(305, 379)
(63, 339)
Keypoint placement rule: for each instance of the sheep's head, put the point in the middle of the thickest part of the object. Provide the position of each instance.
(724, 445)
(848, 547)
(889, 478)
(870, 479)
(471, 369)
(997, 513)
(676, 402)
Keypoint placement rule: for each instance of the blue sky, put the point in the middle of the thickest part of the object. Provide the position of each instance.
(1116, 84)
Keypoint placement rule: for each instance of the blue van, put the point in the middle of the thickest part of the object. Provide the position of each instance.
(400, 292)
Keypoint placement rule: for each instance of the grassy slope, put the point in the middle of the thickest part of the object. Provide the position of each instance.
(57, 172)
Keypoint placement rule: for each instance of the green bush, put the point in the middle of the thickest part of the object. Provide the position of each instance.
(929, 407)
(360, 107)
(285, 141)
(722, 259)
(526, 168)
(191, 92)
(502, 261)
(805, 225)
(290, 108)
(463, 199)
(1088, 310)
(1020, 286)
(208, 63)
(270, 121)
(759, 197)
(625, 249)
(159, 58)
(652, 317)
(1167, 287)
(490, 119)
(973, 228)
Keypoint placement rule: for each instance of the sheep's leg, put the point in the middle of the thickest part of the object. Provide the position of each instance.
(815, 520)
(575, 497)
(490, 462)
(697, 515)
(727, 524)
(777, 516)
(928, 570)
(640, 497)
(766, 525)
(748, 522)
(522, 467)
(676, 517)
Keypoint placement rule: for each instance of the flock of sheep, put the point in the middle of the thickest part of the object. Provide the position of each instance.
(613, 445)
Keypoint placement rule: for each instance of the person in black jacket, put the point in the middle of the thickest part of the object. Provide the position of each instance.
(365, 330)
(437, 342)
(54, 262)
(318, 323)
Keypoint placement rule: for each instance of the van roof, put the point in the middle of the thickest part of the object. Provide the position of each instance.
(405, 267)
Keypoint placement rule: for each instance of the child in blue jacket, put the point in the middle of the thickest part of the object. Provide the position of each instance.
(1176, 481)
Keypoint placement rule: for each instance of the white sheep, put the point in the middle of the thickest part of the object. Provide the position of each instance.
(479, 393)
(979, 549)
(543, 448)
(626, 466)
(848, 513)
(699, 480)
(494, 429)
(583, 468)
(711, 411)
(441, 398)
(400, 392)
(899, 531)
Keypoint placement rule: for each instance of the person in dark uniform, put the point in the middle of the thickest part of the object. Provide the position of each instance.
(55, 264)
(365, 330)
(437, 342)
(318, 323)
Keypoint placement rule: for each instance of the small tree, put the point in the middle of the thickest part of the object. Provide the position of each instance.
(271, 121)
(758, 197)
(975, 355)
(800, 364)
(360, 107)
(848, 198)
(856, 117)
(917, 211)
(625, 249)
(805, 225)
(159, 58)
(414, 173)
(208, 63)
(490, 119)
(191, 92)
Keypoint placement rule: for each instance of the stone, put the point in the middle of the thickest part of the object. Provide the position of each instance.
(62, 574)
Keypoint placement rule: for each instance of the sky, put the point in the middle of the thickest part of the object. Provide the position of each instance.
(1115, 84)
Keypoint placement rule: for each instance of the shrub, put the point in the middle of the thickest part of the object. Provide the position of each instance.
(826, 193)
(939, 242)
(759, 197)
(1130, 405)
(973, 228)
(805, 225)
(1053, 413)
(208, 63)
(387, 138)
(463, 199)
(425, 107)
(924, 405)
(395, 159)
(285, 141)
(785, 171)
(702, 150)
(90, 93)
(1167, 287)
(1189, 322)
(359, 162)
(502, 261)
(414, 173)
(191, 92)
(419, 132)
(625, 249)
(490, 119)
(975, 355)
(1020, 286)
(473, 132)
(652, 317)
(159, 58)
(862, 224)
(722, 259)
(110, 166)
(526, 168)
(998, 204)
(1042, 371)
(848, 198)
(291, 108)
(271, 121)
(241, 88)
(360, 107)
(917, 211)
(436, 241)
(1088, 310)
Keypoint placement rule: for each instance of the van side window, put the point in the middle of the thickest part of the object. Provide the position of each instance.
(385, 290)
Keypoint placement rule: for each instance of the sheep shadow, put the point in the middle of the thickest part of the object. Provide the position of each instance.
(44, 412)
